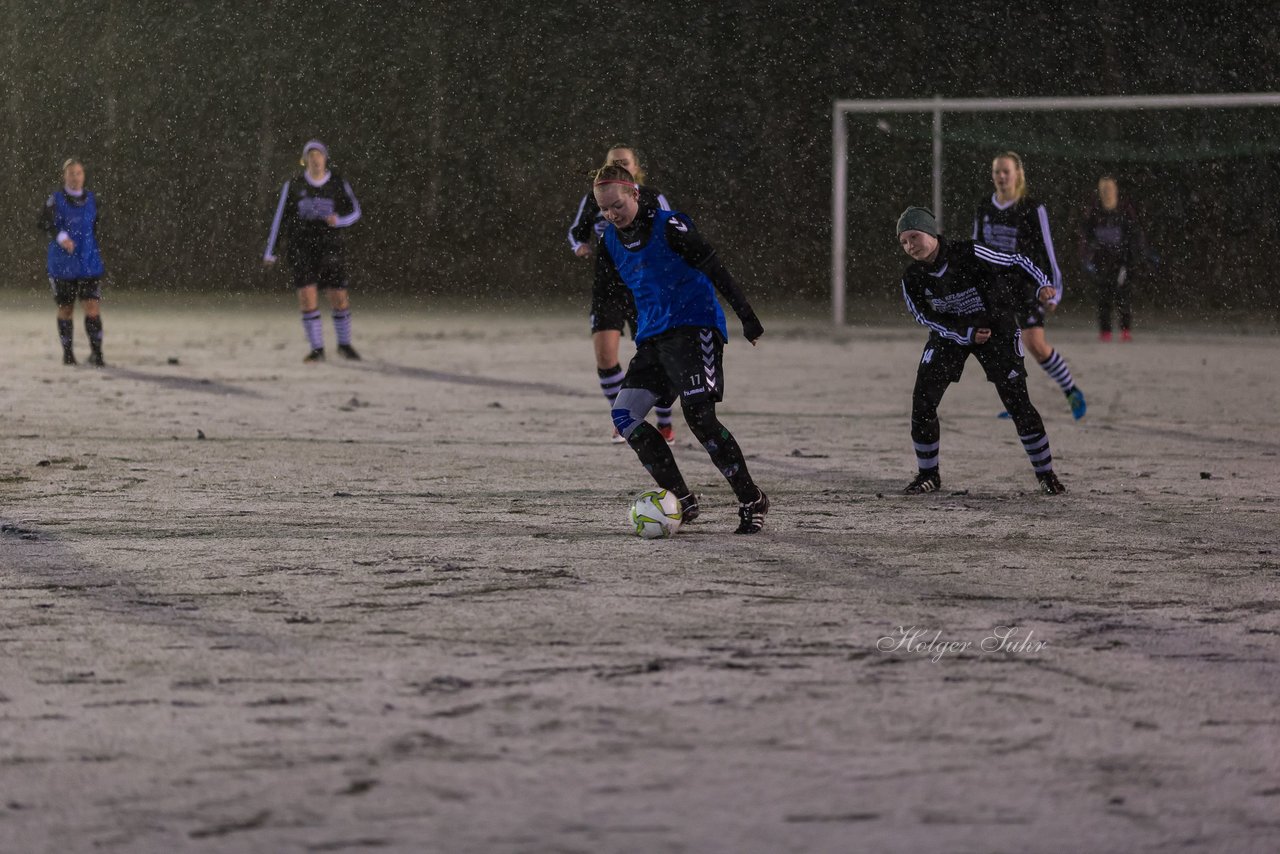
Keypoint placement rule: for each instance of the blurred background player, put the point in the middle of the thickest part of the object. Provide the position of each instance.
(70, 217)
(963, 293)
(1013, 223)
(674, 275)
(1111, 246)
(314, 207)
(612, 306)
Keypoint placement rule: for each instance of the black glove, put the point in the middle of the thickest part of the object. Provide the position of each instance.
(752, 328)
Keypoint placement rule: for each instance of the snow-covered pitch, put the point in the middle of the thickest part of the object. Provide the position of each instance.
(393, 605)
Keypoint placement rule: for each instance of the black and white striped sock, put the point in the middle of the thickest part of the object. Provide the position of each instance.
(663, 414)
(1037, 447)
(611, 381)
(926, 438)
(314, 327)
(342, 325)
(1056, 367)
(926, 455)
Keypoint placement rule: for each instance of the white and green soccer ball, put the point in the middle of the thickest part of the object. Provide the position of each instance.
(655, 514)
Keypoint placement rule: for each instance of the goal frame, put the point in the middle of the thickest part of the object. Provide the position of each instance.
(939, 105)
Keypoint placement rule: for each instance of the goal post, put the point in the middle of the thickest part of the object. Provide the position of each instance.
(938, 106)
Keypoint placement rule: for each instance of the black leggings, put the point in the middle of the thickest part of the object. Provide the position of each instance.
(719, 443)
(928, 393)
(1112, 295)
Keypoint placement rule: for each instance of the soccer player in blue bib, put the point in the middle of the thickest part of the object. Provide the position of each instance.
(70, 218)
(612, 307)
(674, 275)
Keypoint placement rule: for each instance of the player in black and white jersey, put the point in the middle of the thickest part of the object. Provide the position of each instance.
(1012, 222)
(314, 208)
(966, 295)
(612, 306)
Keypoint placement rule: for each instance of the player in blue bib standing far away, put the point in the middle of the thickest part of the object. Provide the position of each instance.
(674, 274)
(70, 218)
(314, 208)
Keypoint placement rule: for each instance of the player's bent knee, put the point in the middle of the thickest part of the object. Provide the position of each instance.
(923, 422)
(1017, 400)
(624, 422)
(1036, 347)
(630, 408)
(924, 410)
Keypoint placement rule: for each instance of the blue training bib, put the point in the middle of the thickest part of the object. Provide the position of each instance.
(669, 293)
(79, 222)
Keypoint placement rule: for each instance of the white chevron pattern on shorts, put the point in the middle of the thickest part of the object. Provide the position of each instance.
(708, 357)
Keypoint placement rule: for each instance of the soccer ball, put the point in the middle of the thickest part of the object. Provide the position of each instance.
(655, 514)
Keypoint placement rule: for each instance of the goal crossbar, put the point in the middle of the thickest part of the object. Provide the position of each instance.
(939, 105)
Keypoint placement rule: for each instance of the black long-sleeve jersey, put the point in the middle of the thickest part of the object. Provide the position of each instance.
(45, 220)
(588, 220)
(967, 287)
(1111, 237)
(688, 243)
(1022, 228)
(301, 213)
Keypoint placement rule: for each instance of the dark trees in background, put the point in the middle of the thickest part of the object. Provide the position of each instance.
(468, 129)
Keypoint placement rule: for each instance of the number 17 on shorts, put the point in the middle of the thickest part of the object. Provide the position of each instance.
(706, 377)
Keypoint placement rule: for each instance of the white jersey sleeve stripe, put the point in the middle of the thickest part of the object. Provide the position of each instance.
(1004, 260)
(949, 334)
(577, 218)
(994, 256)
(1055, 274)
(349, 219)
(663, 204)
(270, 254)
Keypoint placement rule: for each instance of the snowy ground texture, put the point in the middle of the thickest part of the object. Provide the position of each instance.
(250, 605)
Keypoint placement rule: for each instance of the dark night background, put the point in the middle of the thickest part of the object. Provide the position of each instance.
(467, 130)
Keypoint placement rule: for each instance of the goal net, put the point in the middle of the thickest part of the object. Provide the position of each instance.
(1202, 172)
